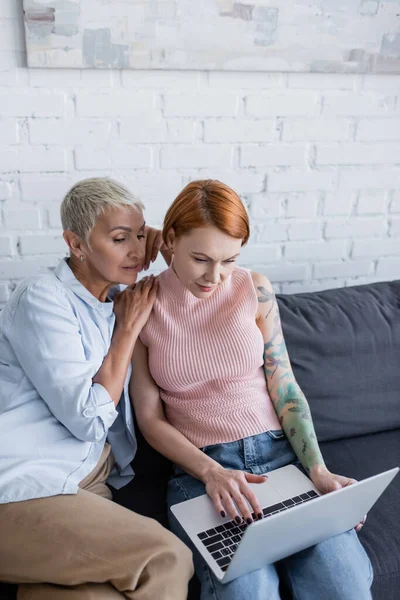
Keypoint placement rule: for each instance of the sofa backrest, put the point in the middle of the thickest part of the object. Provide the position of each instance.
(344, 346)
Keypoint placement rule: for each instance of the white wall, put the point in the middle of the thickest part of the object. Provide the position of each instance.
(315, 157)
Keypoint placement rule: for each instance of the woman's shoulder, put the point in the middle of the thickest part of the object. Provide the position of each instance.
(34, 295)
(252, 279)
(32, 287)
(260, 281)
(264, 292)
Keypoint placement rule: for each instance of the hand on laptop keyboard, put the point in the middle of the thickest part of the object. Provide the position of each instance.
(231, 494)
(222, 541)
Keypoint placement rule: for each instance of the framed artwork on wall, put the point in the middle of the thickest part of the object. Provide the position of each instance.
(342, 36)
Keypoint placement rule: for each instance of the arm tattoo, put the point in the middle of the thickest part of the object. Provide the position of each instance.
(289, 401)
(266, 296)
(275, 358)
(294, 416)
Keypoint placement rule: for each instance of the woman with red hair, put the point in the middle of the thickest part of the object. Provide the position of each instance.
(214, 391)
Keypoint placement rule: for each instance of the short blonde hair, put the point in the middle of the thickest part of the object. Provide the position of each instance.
(88, 199)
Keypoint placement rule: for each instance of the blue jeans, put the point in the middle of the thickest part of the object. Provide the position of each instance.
(336, 569)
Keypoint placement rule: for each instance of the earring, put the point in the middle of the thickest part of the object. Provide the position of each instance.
(81, 258)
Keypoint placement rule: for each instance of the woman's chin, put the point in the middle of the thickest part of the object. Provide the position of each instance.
(129, 277)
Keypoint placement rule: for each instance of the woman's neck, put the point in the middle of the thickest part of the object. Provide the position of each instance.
(98, 288)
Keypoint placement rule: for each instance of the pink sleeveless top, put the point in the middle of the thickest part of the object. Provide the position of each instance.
(206, 356)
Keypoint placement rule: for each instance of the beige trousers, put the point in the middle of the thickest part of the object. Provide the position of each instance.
(86, 547)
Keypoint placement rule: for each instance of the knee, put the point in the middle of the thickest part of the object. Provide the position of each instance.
(174, 552)
(346, 567)
(179, 552)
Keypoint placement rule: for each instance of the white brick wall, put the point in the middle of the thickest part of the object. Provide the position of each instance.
(315, 157)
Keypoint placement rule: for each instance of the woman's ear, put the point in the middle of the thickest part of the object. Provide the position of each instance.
(170, 239)
(75, 244)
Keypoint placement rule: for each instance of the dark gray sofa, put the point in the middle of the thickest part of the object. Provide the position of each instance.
(344, 345)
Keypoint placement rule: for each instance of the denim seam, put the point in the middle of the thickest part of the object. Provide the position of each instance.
(249, 454)
(211, 581)
(183, 490)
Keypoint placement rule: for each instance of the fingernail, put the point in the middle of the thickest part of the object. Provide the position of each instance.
(260, 515)
(238, 520)
(222, 513)
(249, 521)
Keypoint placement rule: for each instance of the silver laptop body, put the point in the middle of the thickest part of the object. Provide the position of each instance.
(296, 516)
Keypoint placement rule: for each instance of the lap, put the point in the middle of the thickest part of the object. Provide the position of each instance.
(243, 455)
(82, 532)
(332, 564)
(260, 584)
(337, 568)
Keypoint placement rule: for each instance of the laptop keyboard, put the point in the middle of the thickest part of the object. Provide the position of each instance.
(222, 541)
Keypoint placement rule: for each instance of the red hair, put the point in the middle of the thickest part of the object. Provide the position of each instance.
(207, 202)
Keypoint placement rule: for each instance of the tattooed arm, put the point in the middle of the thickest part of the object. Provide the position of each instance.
(289, 401)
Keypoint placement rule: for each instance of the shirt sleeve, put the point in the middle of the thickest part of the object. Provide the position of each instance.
(45, 336)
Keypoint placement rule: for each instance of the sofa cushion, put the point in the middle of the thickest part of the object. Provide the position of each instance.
(146, 494)
(363, 457)
(344, 345)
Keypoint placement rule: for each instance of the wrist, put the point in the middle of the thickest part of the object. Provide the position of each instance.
(127, 330)
(318, 469)
(208, 470)
(125, 336)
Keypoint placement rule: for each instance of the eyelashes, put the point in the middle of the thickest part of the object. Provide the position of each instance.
(202, 260)
(120, 240)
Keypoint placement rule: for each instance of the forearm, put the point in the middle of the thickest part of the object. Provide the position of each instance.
(167, 440)
(112, 373)
(289, 401)
(295, 417)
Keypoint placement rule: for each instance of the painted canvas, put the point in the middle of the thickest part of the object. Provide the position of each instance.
(260, 35)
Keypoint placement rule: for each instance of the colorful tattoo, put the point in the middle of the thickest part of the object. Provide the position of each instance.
(289, 401)
(274, 359)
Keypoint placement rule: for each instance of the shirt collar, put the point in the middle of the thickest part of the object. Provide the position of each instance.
(65, 274)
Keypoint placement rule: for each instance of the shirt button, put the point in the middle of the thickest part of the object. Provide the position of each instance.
(88, 413)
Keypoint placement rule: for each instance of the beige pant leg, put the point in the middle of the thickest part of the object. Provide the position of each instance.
(82, 539)
(87, 591)
(94, 483)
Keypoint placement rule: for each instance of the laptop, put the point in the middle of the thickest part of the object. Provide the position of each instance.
(296, 516)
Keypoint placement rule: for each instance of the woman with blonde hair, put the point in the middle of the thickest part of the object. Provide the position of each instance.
(66, 341)
(214, 391)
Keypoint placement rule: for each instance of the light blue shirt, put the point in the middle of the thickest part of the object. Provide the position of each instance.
(54, 421)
